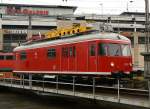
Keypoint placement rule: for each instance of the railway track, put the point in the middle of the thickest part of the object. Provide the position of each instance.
(136, 97)
(78, 87)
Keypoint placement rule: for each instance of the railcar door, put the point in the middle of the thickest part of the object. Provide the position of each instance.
(64, 58)
(72, 58)
(92, 61)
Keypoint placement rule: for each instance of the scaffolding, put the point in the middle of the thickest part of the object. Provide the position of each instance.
(67, 31)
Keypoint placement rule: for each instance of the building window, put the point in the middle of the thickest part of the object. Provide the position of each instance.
(23, 55)
(141, 40)
(51, 53)
(92, 50)
(65, 52)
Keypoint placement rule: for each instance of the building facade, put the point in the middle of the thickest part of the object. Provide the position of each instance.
(15, 20)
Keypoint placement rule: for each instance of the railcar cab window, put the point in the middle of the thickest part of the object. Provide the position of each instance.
(114, 49)
(126, 50)
(92, 50)
(51, 53)
(23, 55)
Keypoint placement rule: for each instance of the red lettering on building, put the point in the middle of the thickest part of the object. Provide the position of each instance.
(41, 13)
(18, 11)
(25, 11)
(13, 11)
(46, 12)
(30, 12)
(10, 11)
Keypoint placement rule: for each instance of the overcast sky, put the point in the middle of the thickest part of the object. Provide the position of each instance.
(91, 6)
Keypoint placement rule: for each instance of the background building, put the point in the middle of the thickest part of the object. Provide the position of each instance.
(14, 21)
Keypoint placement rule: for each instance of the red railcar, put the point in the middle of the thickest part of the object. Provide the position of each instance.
(6, 62)
(88, 54)
(6, 65)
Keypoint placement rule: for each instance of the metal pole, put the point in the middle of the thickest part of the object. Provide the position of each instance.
(20, 80)
(147, 37)
(30, 81)
(135, 44)
(147, 25)
(93, 87)
(149, 91)
(57, 83)
(23, 80)
(43, 83)
(11, 81)
(118, 26)
(74, 85)
(4, 78)
(109, 20)
(29, 28)
(118, 90)
(102, 8)
(127, 7)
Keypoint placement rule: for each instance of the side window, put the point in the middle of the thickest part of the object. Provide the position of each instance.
(23, 55)
(102, 49)
(92, 50)
(72, 51)
(51, 53)
(9, 57)
(1, 57)
(65, 52)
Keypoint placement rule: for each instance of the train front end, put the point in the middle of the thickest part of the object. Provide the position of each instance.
(115, 56)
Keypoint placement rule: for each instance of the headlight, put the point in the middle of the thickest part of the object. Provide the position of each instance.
(130, 64)
(112, 64)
